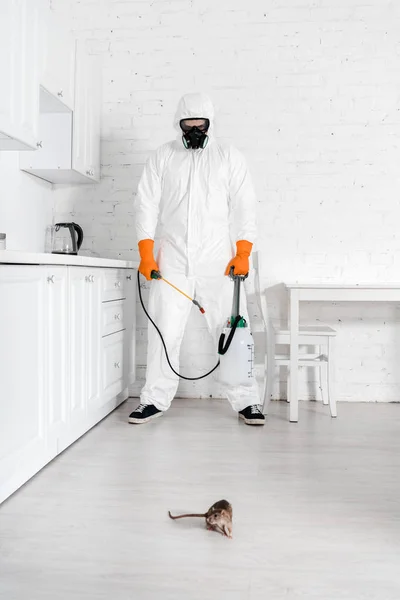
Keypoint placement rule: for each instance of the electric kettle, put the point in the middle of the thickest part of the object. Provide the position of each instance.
(67, 238)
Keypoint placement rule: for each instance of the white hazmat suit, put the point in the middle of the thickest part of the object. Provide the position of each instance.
(196, 204)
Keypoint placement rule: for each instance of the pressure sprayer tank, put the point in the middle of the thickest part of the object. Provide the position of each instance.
(236, 365)
(236, 346)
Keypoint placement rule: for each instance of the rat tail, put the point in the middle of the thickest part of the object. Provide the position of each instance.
(181, 516)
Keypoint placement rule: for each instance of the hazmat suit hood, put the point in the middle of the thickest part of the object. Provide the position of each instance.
(195, 106)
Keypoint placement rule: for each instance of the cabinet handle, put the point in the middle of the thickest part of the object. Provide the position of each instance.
(117, 317)
(90, 172)
(39, 144)
(91, 278)
(87, 278)
(60, 94)
(50, 279)
(129, 277)
(117, 284)
(116, 365)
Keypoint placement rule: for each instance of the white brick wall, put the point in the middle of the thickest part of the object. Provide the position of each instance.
(309, 91)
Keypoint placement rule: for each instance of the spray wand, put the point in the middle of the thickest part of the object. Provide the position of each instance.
(157, 275)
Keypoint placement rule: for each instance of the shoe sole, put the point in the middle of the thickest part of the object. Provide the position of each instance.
(135, 421)
(251, 421)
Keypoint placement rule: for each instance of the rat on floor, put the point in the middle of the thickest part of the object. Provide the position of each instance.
(218, 517)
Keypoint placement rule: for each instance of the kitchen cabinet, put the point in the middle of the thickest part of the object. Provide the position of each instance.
(86, 117)
(68, 149)
(119, 318)
(130, 348)
(23, 408)
(113, 364)
(62, 367)
(57, 375)
(85, 331)
(19, 74)
(50, 94)
(57, 59)
(77, 351)
(93, 338)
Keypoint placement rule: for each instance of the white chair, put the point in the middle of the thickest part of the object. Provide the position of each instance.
(320, 338)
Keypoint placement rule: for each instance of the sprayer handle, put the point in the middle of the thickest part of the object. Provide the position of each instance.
(233, 276)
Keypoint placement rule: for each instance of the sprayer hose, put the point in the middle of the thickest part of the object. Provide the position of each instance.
(163, 343)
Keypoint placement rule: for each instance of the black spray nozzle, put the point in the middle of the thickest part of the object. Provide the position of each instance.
(156, 275)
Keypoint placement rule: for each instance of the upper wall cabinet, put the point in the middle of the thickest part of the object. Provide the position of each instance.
(69, 141)
(50, 94)
(57, 58)
(19, 74)
(86, 130)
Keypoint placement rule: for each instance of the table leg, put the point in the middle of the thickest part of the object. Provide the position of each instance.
(294, 355)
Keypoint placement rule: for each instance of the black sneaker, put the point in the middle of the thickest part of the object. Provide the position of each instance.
(252, 415)
(144, 413)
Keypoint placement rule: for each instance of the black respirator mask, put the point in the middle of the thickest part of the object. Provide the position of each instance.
(194, 137)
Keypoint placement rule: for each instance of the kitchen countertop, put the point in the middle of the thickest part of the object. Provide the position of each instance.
(33, 258)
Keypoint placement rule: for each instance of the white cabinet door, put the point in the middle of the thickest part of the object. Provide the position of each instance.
(113, 365)
(86, 117)
(23, 414)
(94, 126)
(57, 71)
(57, 355)
(19, 74)
(77, 347)
(130, 334)
(129, 358)
(93, 337)
(84, 347)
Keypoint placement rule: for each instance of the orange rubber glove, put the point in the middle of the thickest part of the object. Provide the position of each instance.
(240, 263)
(147, 262)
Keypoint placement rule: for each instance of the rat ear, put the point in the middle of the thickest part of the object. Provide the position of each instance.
(224, 513)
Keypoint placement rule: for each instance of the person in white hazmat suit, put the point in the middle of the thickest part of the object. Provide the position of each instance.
(196, 198)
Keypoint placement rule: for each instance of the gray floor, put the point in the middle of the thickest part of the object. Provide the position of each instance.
(316, 509)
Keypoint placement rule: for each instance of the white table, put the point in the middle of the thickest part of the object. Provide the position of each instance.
(325, 292)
